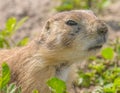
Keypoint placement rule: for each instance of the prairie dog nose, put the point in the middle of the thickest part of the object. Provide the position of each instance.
(102, 28)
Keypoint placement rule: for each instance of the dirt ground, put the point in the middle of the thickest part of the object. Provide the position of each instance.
(39, 11)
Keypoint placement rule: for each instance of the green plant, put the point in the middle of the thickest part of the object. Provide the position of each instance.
(5, 79)
(72, 4)
(10, 28)
(57, 85)
(35, 91)
(108, 53)
(101, 4)
(95, 5)
(103, 71)
(5, 76)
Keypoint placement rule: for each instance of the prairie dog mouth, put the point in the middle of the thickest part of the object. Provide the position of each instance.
(95, 47)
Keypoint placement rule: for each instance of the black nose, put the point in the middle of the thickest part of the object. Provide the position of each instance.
(102, 29)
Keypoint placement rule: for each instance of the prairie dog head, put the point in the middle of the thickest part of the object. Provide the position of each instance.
(74, 34)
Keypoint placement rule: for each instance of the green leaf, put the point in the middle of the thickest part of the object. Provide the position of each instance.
(117, 82)
(108, 53)
(64, 7)
(20, 23)
(23, 42)
(5, 78)
(18, 90)
(35, 91)
(1, 43)
(99, 67)
(10, 25)
(11, 88)
(100, 81)
(92, 58)
(57, 85)
(6, 43)
(98, 90)
(106, 3)
(84, 78)
(109, 88)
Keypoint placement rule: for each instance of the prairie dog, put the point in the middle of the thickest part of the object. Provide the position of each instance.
(66, 38)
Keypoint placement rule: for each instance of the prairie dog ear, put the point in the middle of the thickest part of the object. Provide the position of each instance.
(47, 25)
(44, 33)
(46, 28)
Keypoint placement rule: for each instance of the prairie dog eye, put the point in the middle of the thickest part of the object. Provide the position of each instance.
(71, 23)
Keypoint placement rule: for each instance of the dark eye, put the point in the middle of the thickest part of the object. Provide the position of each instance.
(71, 23)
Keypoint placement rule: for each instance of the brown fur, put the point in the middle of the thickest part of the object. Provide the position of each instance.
(58, 46)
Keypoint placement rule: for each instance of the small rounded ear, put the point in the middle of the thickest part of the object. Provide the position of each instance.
(46, 29)
(47, 25)
(44, 33)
